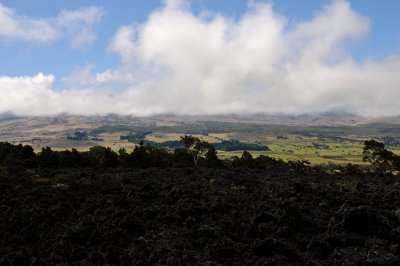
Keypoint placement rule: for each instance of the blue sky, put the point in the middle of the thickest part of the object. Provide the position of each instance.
(79, 39)
(27, 59)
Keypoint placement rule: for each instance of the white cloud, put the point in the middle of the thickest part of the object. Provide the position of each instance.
(77, 25)
(179, 62)
(123, 43)
(25, 95)
(35, 96)
(25, 29)
(86, 77)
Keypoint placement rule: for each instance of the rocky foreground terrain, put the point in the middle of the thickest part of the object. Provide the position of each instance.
(197, 217)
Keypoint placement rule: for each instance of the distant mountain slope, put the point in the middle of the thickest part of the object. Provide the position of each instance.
(19, 128)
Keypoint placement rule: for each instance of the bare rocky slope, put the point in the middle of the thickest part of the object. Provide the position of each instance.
(198, 217)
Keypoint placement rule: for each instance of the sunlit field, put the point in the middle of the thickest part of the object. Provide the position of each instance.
(321, 149)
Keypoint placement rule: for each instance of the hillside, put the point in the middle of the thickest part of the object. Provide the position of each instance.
(288, 137)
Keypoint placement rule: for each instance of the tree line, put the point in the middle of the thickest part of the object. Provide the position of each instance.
(194, 153)
(224, 145)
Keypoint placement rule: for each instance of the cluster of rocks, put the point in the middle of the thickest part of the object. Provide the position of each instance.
(199, 217)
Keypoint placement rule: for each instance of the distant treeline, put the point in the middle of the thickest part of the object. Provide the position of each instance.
(235, 145)
(135, 136)
(391, 141)
(224, 145)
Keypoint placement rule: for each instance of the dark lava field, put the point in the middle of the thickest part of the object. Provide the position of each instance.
(198, 217)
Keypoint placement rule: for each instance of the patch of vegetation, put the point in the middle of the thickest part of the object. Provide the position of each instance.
(236, 145)
(320, 146)
(135, 136)
(391, 141)
(224, 145)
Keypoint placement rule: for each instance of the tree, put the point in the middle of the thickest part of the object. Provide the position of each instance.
(138, 157)
(247, 159)
(68, 158)
(17, 155)
(123, 157)
(381, 159)
(212, 158)
(182, 158)
(48, 158)
(195, 147)
(102, 157)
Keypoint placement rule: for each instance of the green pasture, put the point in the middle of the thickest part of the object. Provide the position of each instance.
(293, 149)
(315, 144)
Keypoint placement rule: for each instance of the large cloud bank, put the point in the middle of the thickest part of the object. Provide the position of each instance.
(184, 63)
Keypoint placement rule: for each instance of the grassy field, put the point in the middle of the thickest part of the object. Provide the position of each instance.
(310, 149)
(316, 144)
(290, 147)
